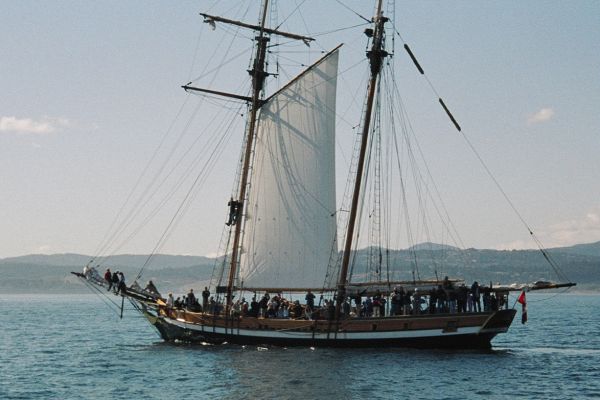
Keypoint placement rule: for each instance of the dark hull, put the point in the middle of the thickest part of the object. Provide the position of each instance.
(475, 337)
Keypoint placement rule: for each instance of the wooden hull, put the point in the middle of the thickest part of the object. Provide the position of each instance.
(465, 331)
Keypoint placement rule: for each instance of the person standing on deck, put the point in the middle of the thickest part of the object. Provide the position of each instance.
(476, 293)
(396, 302)
(401, 299)
(358, 304)
(285, 313)
(487, 299)
(377, 304)
(346, 308)
(244, 307)
(469, 301)
(368, 306)
(407, 302)
(170, 301)
(330, 310)
(205, 297)
(450, 295)
(310, 300)
(121, 287)
(87, 272)
(416, 302)
(115, 281)
(432, 300)
(264, 304)
(108, 278)
(191, 299)
(297, 310)
(441, 299)
(462, 294)
(212, 305)
(254, 307)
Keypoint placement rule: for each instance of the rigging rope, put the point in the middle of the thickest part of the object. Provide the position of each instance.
(410, 138)
(137, 208)
(103, 246)
(540, 246)
(408, 129)
(102, 295)
(218, 149)
(354, 12)
(159, 184)
(338, 30)
(289, 15)
(163, 166)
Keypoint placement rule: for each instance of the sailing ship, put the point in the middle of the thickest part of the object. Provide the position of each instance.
(286, 238)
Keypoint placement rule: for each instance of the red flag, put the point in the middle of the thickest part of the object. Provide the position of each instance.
(523, 302)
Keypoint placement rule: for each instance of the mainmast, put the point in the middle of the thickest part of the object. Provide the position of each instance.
(376, 56)
(258, 75)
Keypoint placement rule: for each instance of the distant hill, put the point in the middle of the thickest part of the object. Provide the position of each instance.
(158, 261)
(581, 264)
(39, 273)
(432, 246)
(498, 266)
(588, 249)
(52, 259)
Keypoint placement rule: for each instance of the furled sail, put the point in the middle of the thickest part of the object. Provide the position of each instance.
(291, 223)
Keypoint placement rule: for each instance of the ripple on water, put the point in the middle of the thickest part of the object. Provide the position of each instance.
(80, 355)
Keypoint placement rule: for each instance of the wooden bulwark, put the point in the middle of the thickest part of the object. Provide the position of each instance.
(386, 324)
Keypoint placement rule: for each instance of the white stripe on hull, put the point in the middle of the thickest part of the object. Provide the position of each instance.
(309, 335)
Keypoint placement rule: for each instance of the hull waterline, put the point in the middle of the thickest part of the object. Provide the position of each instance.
(453, 331)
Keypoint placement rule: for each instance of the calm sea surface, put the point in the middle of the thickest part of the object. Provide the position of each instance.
(71, 347)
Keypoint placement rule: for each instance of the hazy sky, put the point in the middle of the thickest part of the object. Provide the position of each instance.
(89, 91)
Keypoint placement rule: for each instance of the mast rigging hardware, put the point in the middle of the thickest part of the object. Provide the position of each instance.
(225, 94)
(215, 18)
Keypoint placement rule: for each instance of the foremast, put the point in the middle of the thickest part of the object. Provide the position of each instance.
(258, 79)
(258, 74)
(376, 55)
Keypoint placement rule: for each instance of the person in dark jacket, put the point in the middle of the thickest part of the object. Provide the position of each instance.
(254, 307)
(190, 300)
(476, 295)
(205, 297)
(121, 287)
(115, 280)
(396, 302)
(310, 300)
(108, 278)
(461, 298)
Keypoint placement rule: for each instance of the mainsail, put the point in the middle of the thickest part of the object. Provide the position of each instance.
(291, 223)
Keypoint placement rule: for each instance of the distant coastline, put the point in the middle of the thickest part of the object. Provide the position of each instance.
(50, 274)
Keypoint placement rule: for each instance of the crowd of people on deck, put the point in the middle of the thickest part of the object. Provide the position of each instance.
(115, 281)
(191, 303)
(445, 298)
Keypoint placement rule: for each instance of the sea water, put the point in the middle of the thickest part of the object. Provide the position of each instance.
(76, 347)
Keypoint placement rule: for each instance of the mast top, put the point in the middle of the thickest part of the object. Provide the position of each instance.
(211, 19)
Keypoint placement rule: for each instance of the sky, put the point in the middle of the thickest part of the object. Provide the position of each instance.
(93, 118)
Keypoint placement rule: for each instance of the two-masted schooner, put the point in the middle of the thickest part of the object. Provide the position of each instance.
(283, 229)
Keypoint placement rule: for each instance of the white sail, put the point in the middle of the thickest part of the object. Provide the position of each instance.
(291, 224)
